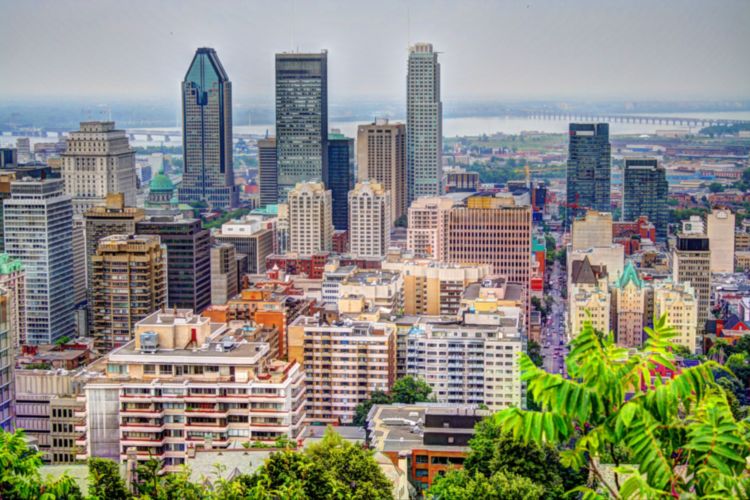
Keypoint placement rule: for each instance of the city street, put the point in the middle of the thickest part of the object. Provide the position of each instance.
(554, 341)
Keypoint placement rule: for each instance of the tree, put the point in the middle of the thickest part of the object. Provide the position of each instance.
(715, 187)
(679, 434)
(105, 481)
(535, 352)
(410, 390)
(363, 408)
(20, 477)
(462, 485)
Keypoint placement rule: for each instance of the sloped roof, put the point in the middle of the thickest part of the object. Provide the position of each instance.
(586, 274)
(629, 274)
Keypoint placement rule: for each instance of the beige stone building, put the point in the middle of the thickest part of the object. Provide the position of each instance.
(588, 298)
(434, 288)
(720, 232)
(344, 362)
(380, 289)
(691, 263)
(310, 222)
(629, 308)
(381, 157)
(129, 282)
(678, 301)
(98, 161)
(369, 220)
(223, 273)
(594, 229)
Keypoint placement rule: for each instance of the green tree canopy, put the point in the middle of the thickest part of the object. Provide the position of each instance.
(410, 390)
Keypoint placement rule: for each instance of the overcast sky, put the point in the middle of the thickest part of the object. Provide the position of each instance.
(529, 49)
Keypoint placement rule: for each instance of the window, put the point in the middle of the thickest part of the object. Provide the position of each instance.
(421, 459)
(421, 473)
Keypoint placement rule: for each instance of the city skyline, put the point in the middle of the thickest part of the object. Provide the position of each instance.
(690, 53)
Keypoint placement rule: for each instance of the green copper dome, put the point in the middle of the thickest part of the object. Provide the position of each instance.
(629, 274)
(161, 183)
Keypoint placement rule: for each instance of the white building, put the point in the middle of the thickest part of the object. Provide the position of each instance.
(98, 161)
(310, 222)
(424, 123)
(471, 364)
(720, 232)
(38, 220)
(369, 220)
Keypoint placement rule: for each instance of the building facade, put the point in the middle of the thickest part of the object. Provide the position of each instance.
(340, 178)
(680, 304)
(645, 193)
(691, 263)
(188, 259)
(208, 174)
(13, 281)
(425, 234)
(301, 119)
(720, 232)
(589, 163)
(310, 218)
(369, 220)
(268, 172)
(424, 123)
(38, 220)
(593, 230)
(129, 282)
(251, 236)
(588, 298)
(98, 161)
(629, 308)
(223, 273)
(344, 363)
(381, 157)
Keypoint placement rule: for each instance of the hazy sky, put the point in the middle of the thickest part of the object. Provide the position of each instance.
(530, 49)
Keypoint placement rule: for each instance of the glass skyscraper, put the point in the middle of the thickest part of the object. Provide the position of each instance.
(340, 177)
(424, 123)
(588, 176)
(207, 133)
(645, 193)
(301, 119)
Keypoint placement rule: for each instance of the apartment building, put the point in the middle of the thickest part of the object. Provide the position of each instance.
(129, 282)
(470, 363)
(629, 308)
(426, 229)
(252, 236)
(680, 303)
(223, 273)
(369, 220)
(344, 361)
(380, 289)
(185, 382)
(588, 298)
(310, 222)
(691, 263)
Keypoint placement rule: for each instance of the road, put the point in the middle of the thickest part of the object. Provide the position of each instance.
(554, 342)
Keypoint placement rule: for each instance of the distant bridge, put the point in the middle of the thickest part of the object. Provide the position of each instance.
(614, 118)
(169, 135)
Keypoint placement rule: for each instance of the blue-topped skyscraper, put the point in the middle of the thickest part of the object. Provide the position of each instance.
(301, 119)
(340, 177)
(588, 176)
(207, 133)
(424, 124)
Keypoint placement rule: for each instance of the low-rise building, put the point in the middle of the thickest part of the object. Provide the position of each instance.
(380, 289)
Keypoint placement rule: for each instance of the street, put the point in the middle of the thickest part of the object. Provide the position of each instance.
(554, 348)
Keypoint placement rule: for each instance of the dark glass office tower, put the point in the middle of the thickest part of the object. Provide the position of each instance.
(340, 177)
(268, 172)
(301, 119)
(645, 193)
(589, 158)
(188, 259)
(207, 133)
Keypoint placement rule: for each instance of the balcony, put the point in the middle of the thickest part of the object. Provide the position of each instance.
(140, 412)
(206, 412)
(139, 441)
(139, 427)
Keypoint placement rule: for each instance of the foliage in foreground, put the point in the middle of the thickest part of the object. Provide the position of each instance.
(664, 438)
(332, 468)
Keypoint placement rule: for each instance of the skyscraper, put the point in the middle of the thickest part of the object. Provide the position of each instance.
(588, 176)
(129, 283)
(310, 226)
(268, 172)
(424, 123)
(38, 232)
(98, 161)
(207, 133)
(691, 263)
(340, 177)
(370, 220)
(381, 157)
(645, 193)
(188, 259)
(301, 119)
